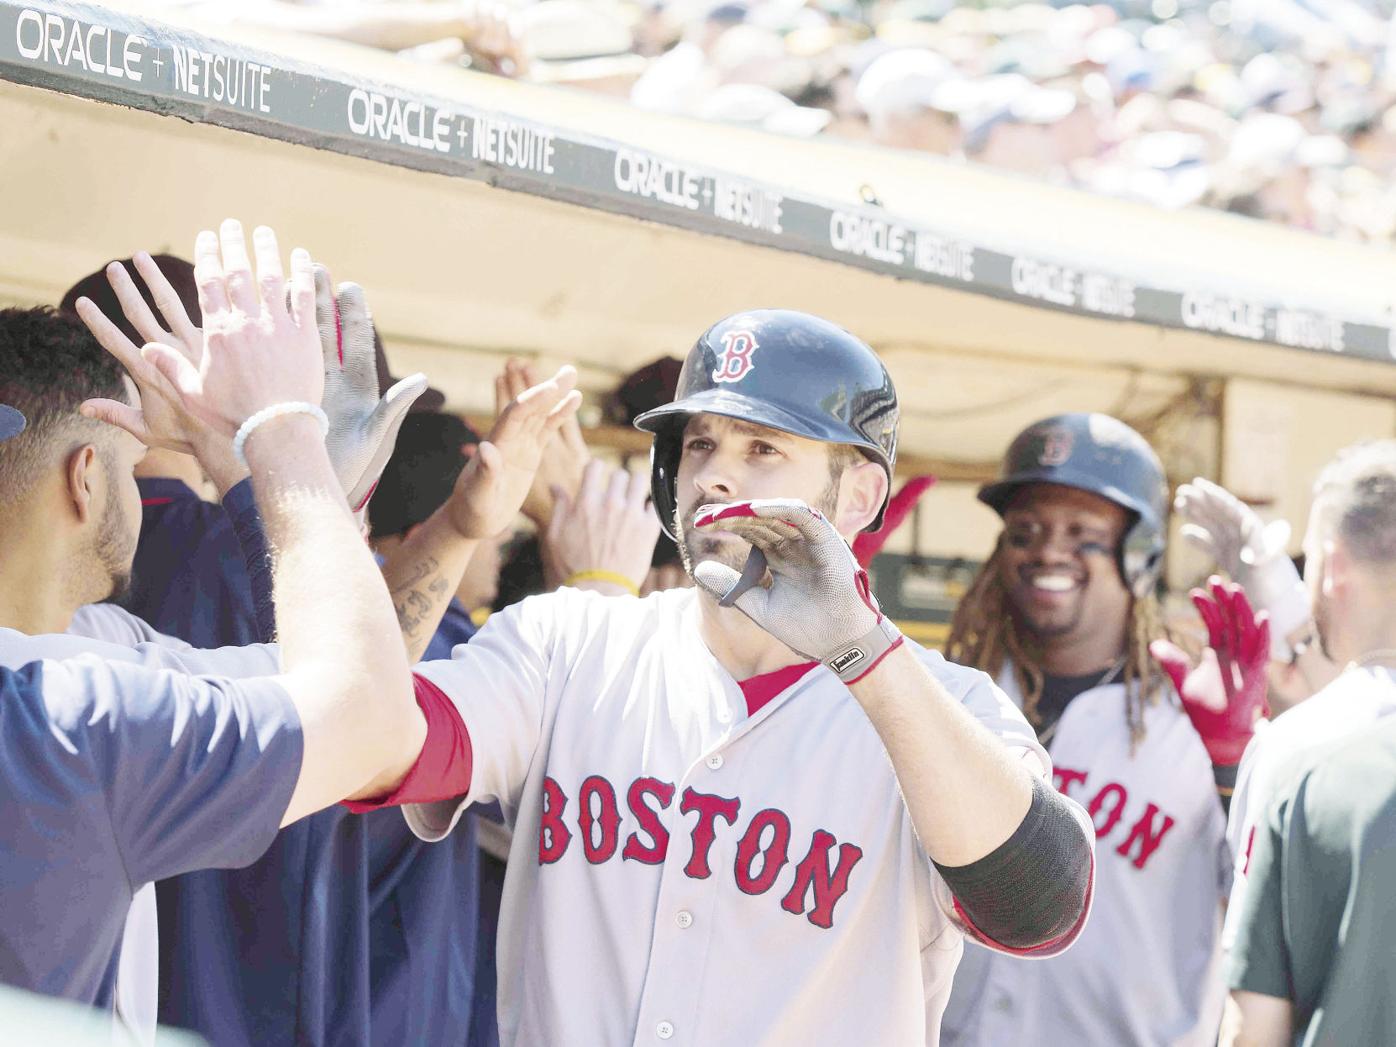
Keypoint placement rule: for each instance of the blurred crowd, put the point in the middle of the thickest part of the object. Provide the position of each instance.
(1277, 109)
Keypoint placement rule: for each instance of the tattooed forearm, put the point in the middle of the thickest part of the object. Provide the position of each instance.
(420, 598)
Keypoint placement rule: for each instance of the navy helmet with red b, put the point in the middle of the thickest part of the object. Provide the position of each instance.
(1105, 457)
(785, 370)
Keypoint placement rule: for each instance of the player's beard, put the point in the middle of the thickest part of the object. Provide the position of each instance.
(695, 547)
(1323, 624)
(115, 545)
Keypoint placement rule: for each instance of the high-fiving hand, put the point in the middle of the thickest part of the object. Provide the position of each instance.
(492, 487)
(256, 350)
(363, 427)
(161, 419)
(1252, 553)
(1224, 692)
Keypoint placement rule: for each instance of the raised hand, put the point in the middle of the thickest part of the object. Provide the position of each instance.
(492, 487)
(363, 427)
(818, 603)
(1252, 553)
(1224, 692)
(258, 350)
(161, 419)
(565, 457)
(609, 527)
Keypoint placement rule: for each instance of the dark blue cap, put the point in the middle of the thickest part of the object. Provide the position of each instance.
(11, 422)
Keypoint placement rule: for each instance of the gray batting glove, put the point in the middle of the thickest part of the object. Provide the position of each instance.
(818, 602)
(363, 427)
(1251, 552)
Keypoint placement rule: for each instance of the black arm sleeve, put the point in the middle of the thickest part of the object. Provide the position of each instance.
(1031, 889)
(242, 510)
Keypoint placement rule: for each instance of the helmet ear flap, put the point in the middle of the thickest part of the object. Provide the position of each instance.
(1141, 558)
(665, 452)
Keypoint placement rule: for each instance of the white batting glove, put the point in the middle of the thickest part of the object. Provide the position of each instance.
(363, 427)
(1252, 553)
(818, 603)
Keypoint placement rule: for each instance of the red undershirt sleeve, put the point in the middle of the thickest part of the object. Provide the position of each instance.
(442, 771)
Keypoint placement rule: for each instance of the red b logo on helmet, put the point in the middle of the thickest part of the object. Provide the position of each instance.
(735, 361)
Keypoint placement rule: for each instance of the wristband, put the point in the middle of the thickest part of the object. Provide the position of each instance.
(614, 577)
(266, 414)
(860, 657)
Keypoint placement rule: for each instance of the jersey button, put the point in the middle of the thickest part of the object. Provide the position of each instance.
(664, 1030)
(715, 762)
(724, 715)
(684, 919)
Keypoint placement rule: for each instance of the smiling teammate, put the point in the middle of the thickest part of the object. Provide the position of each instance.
(1062, 616)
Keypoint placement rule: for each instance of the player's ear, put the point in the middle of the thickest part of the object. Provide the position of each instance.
(862, 490)
(82, 478)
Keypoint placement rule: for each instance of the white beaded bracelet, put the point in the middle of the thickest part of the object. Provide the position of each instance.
(266, 414)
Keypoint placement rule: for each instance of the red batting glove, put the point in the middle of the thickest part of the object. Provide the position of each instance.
(1224, 693)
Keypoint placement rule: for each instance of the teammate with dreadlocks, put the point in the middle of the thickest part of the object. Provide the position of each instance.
(1063, 616)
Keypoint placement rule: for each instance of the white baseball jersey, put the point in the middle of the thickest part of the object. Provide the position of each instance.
(683, 872)
(118, 635)
(1144, 971)
(1356, 699)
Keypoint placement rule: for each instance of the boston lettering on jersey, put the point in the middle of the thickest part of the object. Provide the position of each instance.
(1107, 811)
(763, 850)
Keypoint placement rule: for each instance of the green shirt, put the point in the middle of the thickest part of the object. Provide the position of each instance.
(1318, 925)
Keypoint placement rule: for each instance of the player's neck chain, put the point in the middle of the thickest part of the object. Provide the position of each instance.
(1376, 657)
(1045, 736)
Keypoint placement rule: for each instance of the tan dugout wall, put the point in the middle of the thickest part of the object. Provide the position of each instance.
(993, 314)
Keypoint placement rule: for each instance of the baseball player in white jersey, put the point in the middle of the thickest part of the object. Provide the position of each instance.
(727, 832)
(1062, 615)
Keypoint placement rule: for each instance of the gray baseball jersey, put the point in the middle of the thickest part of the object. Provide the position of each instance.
(118, 635)
(683, 870)
(1145, 969)
(1356, 699)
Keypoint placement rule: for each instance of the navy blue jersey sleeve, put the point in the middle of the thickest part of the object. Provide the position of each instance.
(196, 772)
(242, 509)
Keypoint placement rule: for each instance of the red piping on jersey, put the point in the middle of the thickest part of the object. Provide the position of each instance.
(156, 501)
(758, 690)
(1048, 948)
(443, 768)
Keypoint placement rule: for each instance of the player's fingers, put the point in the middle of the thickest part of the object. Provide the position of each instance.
(356, 340)
(167, 300)
(208, 274)
(544, 396)
(639, 491)
(618, 483)
(564, 412)
(271, 279)
(133, 305)
(109, 336)
(593, 485)
(502, 399)
(1209, 614)
(113, 412)
(237, 267)
(562, 509)
(179, 372)
(1199, 536)
(327, 322)
(766, 535)
(302, 292)
(1172, 660)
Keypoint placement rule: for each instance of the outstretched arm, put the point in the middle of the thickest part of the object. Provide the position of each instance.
(348, 677)
(423, 573)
